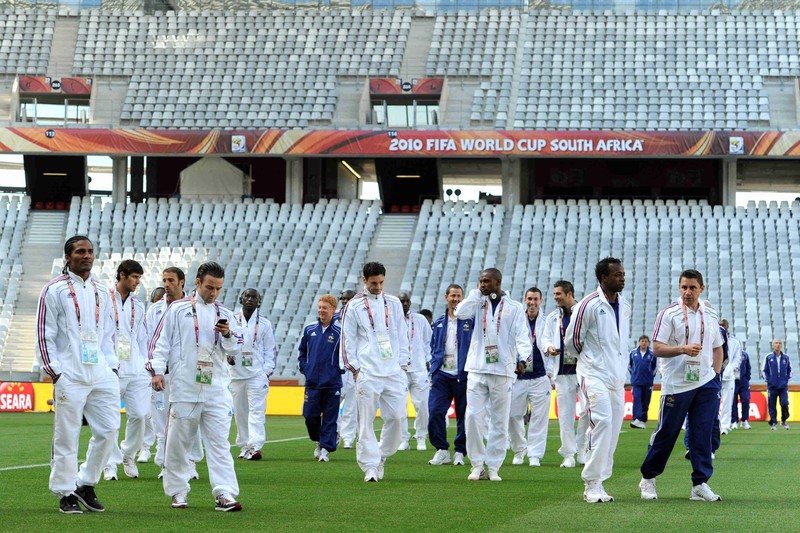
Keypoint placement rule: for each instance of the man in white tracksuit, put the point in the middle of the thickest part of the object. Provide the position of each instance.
(130, 338)
(75, 347)
(347, 425)
(500, 340)
(374, 348)
(532, 388)
(250, 376)
(598, 335)
(729, 379)
(419, 384)
(199, 340)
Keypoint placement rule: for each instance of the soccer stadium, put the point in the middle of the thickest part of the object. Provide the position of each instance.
(293, 142)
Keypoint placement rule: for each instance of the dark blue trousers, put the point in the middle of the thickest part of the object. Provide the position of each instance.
(715, 436)
(741, 393)
(641, 401)
(444, 389)
(321, 411)
(772, 398)
(702, 406)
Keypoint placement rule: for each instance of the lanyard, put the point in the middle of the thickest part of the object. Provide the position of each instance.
(561, 324)
(486, 305)
(116, 314)
(411, 319)
(369, 313)
(77, 307)
(197, 325)
(535, 320)
(702, 322)
(455, 327)
(255, 330)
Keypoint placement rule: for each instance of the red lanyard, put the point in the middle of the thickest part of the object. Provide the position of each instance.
(702, 322)
(116, 314)
(197, 325)
(255, 332)
(78, 308)
(535, 320)
(486, 305)
(369, 313)
(412, 328)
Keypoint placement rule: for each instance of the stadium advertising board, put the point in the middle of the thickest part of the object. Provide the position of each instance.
(399, 143)
(16, 396)
(47, 85)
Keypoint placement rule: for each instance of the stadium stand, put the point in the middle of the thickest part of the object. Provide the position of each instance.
(13, 217)
(25, 39)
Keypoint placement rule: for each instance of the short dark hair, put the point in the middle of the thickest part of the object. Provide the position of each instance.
(258, 295)
(128, 267)
(565, 285)
(157, 290)
(493, 272)
(453, 286)
(175, 270)
(724, 323)
(427, 313)
(533, 289)
(212, 269)
(691, 273)
(644, 338)
(70, 244)
(374, 269)
(603, 267)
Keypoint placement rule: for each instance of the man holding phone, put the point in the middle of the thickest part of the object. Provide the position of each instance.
(199, 339)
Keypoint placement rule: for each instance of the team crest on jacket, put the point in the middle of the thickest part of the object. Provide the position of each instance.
(466, 326)
(669, 401)
(331, 338)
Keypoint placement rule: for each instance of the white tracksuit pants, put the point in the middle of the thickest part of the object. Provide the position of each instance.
(160, 427)
(348, 423)
(489, 396)
(535, 392)
(249, 410)
(392, 393)
(571, 441)
(419, 387)
(725, 407)
(135, 392)
(99, 403)
(214, 419)
(605, 410)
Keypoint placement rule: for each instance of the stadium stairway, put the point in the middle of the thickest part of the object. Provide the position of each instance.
(420, 36)
(44, 240)
(6, 98)
(391, 246)
(349, 93)
(782, 103)
(62, 54)
(108, 99)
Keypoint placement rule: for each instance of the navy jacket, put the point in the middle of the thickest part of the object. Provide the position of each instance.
(318, 356)
(642, 368)
(536, 369)
(777, 371)
(744, 369)
(464, 337)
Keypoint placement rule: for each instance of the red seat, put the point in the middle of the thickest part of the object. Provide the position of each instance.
(395, 209)
(406, 209)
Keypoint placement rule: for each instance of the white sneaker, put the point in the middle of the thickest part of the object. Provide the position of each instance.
(593, 492)
(144, 456)
(316, 450)
(724, 431)
(179, 501)
(746, 425)
(193, 473)
(458, 459)
(421, 446)
(734, 425)
(785, 425)
(568, 462)
(371, 475)
(606, 496)
(380, 469)
(243, 452)
(129, 466)
(519, 458)
(582, 458)
(638, 424)
(323, 456)
(648, 489)
(703, 492)
(110, 473)
(476, 474)
(348, 444)
(713, 455)
(534, 461)
(403, 446)
(441, 457)
(494, 476)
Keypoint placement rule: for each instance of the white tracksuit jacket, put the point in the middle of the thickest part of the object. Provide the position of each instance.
(263, 348)
(419, 335)
(551, 336)
(139, 336)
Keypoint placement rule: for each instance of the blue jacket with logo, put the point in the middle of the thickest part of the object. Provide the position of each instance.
(642, 368)
(318, 356)
(463, 336)
(745, 369)
(777, 371)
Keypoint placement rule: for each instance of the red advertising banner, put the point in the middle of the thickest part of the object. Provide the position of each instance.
(47, 85)
(16, 396)
(390, 86)
(401, 143)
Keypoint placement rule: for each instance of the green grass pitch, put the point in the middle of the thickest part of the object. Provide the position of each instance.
(756, 473)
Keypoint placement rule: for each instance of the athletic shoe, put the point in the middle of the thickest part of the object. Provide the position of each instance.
(534, 461)
(746, 425)
(713, 455)
(458, 459)
(638, 424)
(734, 425)
(85, 494)
(110, 473)
(606, 496)
(193, 473)
(785, 424)
(380, 469)
(494, 476)
(724, 431)
(129, 466)
(648, 489)
(688, 455)
(69, 505)
(226, 502)
(476, 474)
(179, 501)
(161, 474)
(441, 457)
(703, 492)
(144, 456)
(519, 458)
(403, 446)
(421, 446)
(348, 444)
(593, 493)
(582, 458)
(568, 462)
(255, 455)
(316, 450)
(323, 456)
(243, 452)
(773, 427)
(371, 476)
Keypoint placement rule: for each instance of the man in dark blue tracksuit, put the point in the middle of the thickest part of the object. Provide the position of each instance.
(715, 430)
(642, 367)
(777, 371)
(741, 393)
(318, 358)
(449, 347)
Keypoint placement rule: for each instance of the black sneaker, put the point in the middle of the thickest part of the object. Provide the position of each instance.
(85, 494)
(688, 455)
(69, 505)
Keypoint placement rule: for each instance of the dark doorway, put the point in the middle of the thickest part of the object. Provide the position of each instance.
(52, 180)
(405, 183)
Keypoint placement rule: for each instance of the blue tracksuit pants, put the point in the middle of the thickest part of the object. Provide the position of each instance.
(444, 389)
(321, 411)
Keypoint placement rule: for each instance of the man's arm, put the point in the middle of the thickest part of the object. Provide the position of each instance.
(46, 332)
(302, 353)
(158, 355)
(141, 336)
(401, 329)
(522, 338)
(107, 344)
(469, 305)
(348, 341)
(718, 355)
(269, 347)
(427, 335)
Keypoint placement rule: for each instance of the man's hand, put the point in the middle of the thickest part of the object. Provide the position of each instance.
(428, 366)
(223, 328)
(55, 379)
(355, 374)
(692, 350)
(520, 367)
(158, 382)
(551, 351)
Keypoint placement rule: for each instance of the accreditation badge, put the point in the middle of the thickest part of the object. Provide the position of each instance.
(570, 359)
(247, 358)
(89, 348)
(124, 347)
(205, 366)
(492, 354)
(692, 371)
(384, 346)
(449, 361)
